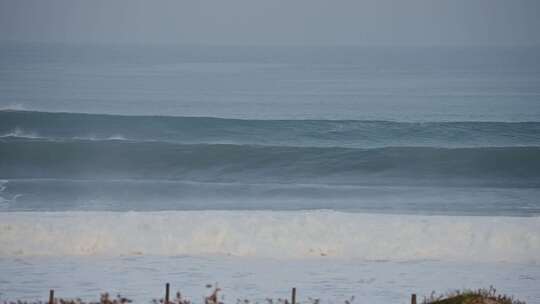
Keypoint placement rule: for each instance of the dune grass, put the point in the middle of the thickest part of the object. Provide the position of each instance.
(478, 296)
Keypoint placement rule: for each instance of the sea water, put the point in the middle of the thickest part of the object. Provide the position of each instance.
(343, 171)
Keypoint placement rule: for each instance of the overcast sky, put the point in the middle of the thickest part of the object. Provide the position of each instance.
(274, 22)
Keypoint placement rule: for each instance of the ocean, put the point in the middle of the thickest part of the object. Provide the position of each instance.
(373, 172)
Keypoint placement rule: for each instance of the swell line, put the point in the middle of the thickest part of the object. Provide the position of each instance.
(231, 163)
(309, 133)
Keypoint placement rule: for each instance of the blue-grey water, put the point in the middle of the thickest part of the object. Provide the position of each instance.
(340, 170)
(392, 130)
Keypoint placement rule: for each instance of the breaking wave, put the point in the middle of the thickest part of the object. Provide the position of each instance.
(299, 234)
(19, 133)
(312, 133)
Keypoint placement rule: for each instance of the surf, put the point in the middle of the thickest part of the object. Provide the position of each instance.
(271, 234)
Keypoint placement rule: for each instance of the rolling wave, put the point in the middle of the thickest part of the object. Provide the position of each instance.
(314, 133)
(283, 164)
(19, 133)
(281, 235)
(158, 195)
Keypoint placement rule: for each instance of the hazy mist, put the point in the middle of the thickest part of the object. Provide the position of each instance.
(278, 22)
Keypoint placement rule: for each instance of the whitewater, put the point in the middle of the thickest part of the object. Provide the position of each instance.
(272, 235)
(373, 173)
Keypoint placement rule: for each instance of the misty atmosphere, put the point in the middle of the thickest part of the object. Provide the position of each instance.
(358, 151)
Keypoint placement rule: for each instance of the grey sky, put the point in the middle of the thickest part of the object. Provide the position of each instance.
(274, 22)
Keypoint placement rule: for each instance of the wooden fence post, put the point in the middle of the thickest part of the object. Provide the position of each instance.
(293, 297)
(167, 293)
(51, 296)
(413, 298)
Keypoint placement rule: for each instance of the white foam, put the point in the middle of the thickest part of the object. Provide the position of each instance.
(18, 132)
(2, 188)
(116, 137)
(298, 234)
(13, 107)
(96, 138)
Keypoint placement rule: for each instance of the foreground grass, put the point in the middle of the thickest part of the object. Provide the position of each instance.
(479, 296)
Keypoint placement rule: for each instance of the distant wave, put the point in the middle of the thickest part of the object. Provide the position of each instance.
(92, 138)
(243, 163)
(13, 107)
(19, 133)
(272, 234)
(313, 133)
(159, 195)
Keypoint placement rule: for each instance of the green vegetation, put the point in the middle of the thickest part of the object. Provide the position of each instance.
(479, 296)
(104, 299)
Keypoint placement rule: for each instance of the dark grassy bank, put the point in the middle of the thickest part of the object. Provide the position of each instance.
(479, 296)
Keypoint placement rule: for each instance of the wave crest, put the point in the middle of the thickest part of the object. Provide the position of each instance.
(313, 133)
(20, 133)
